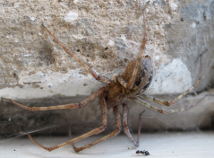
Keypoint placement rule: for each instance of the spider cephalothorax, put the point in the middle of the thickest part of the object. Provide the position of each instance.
(118, 91)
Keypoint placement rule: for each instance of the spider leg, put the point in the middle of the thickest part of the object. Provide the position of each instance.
(147, 105)
(66, 106)
(168, 103)
(134, 73)
(125, 124)
(94, 74)
(88, 134)
(139, 126)
(124, 83)
(114, 133)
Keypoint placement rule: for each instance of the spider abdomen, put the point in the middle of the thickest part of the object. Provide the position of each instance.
(144, 74)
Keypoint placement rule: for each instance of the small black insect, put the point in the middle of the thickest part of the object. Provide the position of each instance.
(144, 152)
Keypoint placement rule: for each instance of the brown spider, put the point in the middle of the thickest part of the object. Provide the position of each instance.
(128, 86)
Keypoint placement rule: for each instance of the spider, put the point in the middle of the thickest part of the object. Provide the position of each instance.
(130, 85)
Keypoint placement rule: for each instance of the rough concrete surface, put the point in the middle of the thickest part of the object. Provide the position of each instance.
(105, 35)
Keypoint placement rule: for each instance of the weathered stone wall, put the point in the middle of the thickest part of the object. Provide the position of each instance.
(105, 35)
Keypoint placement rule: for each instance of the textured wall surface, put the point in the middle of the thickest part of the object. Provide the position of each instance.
(105, 35)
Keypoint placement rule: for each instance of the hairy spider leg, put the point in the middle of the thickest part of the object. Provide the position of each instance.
(138, 61)
(112, 134)
(139, 126)
(118, 128)
(60, 107)
(147, 105)
(168, 103)
(93, 73)
(88, 134)
(125, 124)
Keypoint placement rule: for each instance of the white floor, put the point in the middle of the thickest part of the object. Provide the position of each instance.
(170, 144)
